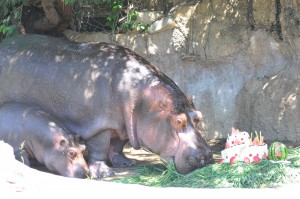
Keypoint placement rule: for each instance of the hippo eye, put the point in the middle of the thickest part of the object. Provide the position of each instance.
(179, 121)
(72, 154)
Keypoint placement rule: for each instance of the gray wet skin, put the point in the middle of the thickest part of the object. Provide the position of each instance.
(35, 134)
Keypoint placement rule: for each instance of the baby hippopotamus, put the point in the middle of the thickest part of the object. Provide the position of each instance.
(33, 133)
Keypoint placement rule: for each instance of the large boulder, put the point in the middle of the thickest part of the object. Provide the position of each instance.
(271, 103)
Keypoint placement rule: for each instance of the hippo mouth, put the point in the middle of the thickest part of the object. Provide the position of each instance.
(188, 159)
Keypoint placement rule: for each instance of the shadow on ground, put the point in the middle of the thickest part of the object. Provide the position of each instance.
(145, 158)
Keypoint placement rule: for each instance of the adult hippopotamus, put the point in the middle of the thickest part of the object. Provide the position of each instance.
(33, 133)
(108, 95)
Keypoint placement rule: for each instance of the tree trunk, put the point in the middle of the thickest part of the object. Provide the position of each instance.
(51, 19)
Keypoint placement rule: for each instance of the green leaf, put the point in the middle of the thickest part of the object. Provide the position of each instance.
(5, 11)
(16, 15)
(116, 8)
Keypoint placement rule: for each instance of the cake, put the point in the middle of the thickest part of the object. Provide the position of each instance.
(240, 147)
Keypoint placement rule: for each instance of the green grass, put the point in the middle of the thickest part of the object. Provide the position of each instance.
(239, 175)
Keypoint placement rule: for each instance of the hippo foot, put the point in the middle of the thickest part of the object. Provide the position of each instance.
(121, 161)
(100, 170)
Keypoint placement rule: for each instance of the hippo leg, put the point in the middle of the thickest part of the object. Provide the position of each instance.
(23, 157)
(97, 148)
(116, 156)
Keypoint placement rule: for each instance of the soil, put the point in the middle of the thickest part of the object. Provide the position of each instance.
(142, 158)
(145, 158)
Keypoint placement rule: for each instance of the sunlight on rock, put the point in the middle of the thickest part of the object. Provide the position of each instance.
(217, 35)
(274, 45)
(265, 86)
(236, 14)
(217, 135)
(292, 101)
(152, 48)
(273, 77)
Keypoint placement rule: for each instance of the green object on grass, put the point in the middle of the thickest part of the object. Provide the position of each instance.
(277, 151)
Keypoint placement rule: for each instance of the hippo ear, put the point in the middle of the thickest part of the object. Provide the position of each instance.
(196, 117)
(78, 139)
(80, 143)
(63, 142)
(162, 106)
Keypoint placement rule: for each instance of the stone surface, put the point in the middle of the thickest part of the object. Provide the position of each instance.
(148, 17)
(87, 37)
(161, 25)
(223, 54)
(271, 103)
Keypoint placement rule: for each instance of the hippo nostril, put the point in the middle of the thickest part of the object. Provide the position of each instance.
(82, 174)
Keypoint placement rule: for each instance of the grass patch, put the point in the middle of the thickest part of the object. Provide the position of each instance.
(264, 174)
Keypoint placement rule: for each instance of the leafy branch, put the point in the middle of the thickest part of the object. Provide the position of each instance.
(10, 16)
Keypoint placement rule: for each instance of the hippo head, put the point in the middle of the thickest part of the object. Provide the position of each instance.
(167, 125)
(66, 157)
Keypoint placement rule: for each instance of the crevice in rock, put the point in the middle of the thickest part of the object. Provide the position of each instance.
(250, 17)
(277, 26)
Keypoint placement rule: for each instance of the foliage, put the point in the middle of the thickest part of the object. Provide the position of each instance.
(122, 18)
(240, 175)
(116, 8)
(10, 15)
(127, 23)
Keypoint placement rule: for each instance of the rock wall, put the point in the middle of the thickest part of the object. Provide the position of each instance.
(237, 59)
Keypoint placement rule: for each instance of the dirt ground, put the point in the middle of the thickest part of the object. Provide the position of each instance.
(144, 158)
(18, 181)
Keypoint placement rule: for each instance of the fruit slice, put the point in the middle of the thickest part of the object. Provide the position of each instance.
(232, 160)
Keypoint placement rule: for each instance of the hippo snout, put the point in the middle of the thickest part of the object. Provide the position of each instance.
(191, 159)
(81, 173)
(77, 170)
